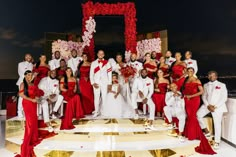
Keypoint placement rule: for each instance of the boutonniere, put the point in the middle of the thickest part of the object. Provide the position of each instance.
(217, 87)
(148, 84)
(55, 85)
(136, 64)
(171, 61)
(190, 62)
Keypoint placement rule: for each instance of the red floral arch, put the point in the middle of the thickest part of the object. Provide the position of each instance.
(127, 9)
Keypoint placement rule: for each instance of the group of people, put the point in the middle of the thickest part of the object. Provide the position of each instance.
(165, 87)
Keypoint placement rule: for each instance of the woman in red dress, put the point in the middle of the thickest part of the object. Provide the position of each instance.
(192, 89)
(160, 88)
(41, 69)
(61, 71)
(150, 65)
(73, 107)
(27, 92)
(178, 69)
(86, 89)
(164, 67)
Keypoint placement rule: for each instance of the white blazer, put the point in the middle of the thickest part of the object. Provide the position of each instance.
(174, 101)
(49, 86)
(100, 73)
(145, 86)
(192, 63)
(215, 93)
(22, 67)
(54, 63)
(73, 63)
(137, 65)
(170, 60)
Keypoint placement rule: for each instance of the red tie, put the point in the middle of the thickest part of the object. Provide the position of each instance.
(100, 61)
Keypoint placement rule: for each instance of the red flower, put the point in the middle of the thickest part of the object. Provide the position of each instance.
(217, 87)
(127, 71)
(148, 84)
(190, 62)
(38, 92)
(55, 85)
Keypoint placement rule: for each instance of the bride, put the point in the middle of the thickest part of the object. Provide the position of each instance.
(115, 106)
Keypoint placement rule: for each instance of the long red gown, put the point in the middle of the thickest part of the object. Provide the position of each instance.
(73, 107)
(42, 72)
(159, 97)
(31, 124)
(178, 75)
(86, 90)
(150, 66)
(192, 128)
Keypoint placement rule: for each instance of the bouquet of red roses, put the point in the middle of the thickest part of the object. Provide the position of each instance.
(127, 71)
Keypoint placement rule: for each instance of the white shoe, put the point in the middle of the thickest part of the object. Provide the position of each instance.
(54, 117)
(150, 127)
(208, 134)
(181, 138)
(216, 146)
(170, 126)
(50, 129)
(136, 116)
(95, 114)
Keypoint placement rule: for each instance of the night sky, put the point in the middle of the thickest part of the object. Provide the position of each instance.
(207, 28)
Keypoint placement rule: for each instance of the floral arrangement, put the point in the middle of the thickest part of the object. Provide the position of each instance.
(148, 45)
(65, 47)
(127, 71)
(128, 9)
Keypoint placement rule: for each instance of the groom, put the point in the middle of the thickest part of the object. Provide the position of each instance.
(100, 77)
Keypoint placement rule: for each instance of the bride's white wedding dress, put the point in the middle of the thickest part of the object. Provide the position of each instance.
(117, 107)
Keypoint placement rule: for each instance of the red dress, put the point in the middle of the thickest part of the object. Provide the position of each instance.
(192, 128)
(178, 75)
(73, 107)
(159, 97)
(60, 73)
(31, 124)
(86, 90)
(42, 72)
(150, 66)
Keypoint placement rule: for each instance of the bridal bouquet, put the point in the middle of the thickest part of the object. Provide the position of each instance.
(127, 72)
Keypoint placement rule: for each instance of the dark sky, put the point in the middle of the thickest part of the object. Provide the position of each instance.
(207, 28)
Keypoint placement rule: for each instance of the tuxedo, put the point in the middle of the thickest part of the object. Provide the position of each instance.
(192, 63)
(73, 63)
(215, 93)
(50, 86)
(147, 88)
(170, 60)
(136, 65)
(175, 107)
(54, 63)
(22, 67)
(101, 74)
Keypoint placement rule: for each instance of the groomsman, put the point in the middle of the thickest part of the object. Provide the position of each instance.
(55, 63)
(50, 87)
(136, 65)
(142, 92)
(100, 78)
(22, 67)
(169, 59)
(190, 62)
(214, 99)
(175, 107)
(74, 61)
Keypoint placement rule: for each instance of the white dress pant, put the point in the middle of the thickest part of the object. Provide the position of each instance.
(178, 113)
(150, 103)
(99, 97)
(217, 118)
(20, 111)
(45, 107)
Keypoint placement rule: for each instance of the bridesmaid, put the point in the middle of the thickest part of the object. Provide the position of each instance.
(192, 89)
(61, 70)
(41, 69)
(150, 65)
(160, 88)
(73, 108)
(178, 69)
(85, 87)
(27, 92)
(164, 67)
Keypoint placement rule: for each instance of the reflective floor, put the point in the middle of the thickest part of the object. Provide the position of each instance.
(105, 138)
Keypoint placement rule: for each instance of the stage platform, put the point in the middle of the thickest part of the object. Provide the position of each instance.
(103, 137)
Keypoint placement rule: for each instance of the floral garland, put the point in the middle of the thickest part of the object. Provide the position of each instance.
(65, 47)
(127, 9)
(148, 45)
